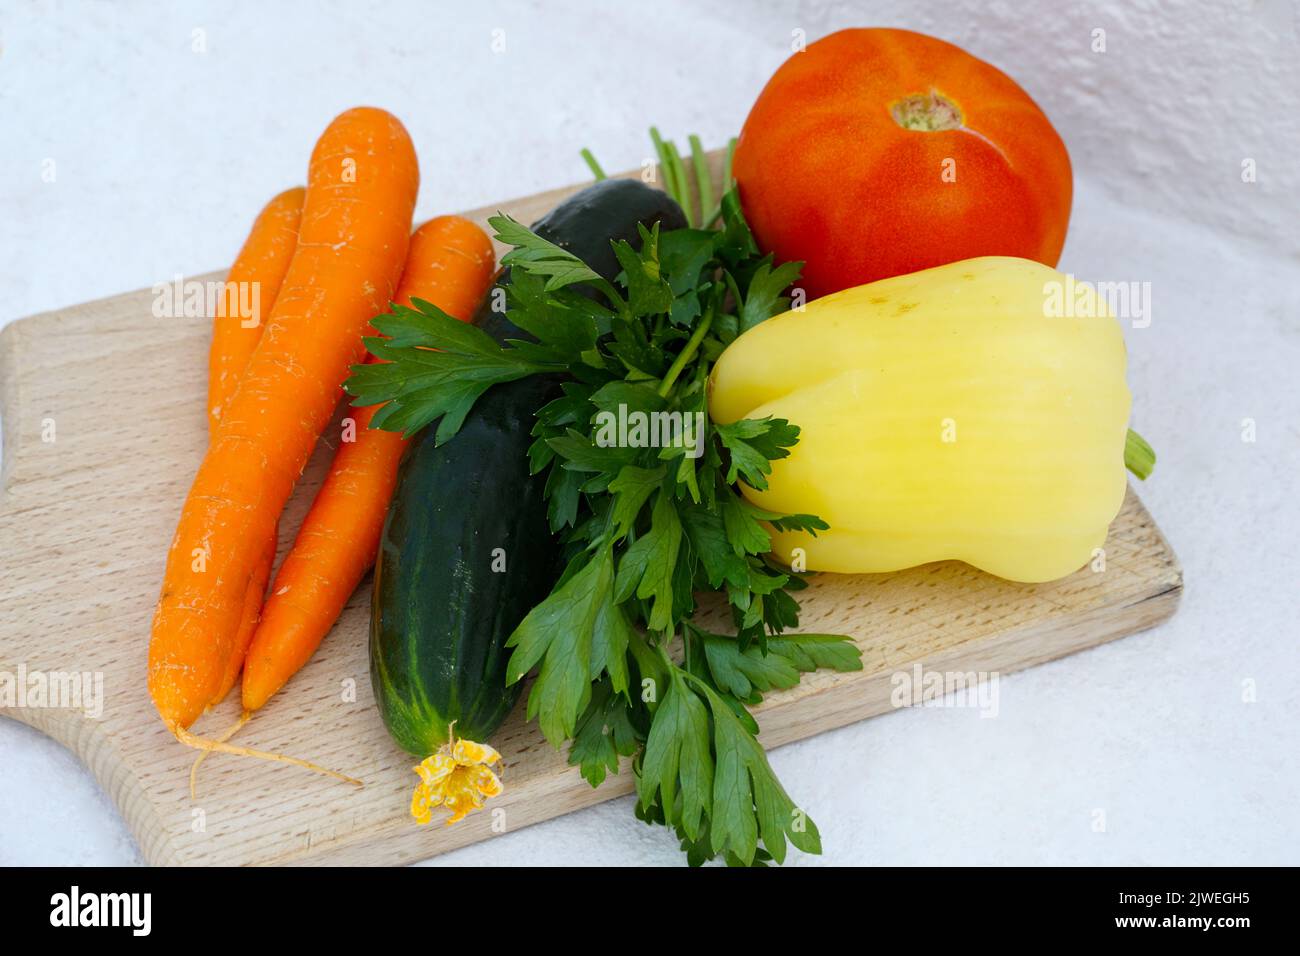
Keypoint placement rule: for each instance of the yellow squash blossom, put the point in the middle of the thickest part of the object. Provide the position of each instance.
(458, 777)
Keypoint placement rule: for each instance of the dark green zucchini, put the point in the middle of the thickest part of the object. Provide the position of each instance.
(466, 550)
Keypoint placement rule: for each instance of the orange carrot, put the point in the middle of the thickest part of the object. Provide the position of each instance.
(361, 188)
(450, 264)
(252, 613)
(254, 280)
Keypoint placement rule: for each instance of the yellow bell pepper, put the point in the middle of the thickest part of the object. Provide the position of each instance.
(942, 415)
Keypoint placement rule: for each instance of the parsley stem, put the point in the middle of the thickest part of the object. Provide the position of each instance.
(727, 183)
(594, 166)
(703, 178)
(687, 353)
(705, 690)
(665, 164)
(733, 289)
(683, 187)
(669, 663)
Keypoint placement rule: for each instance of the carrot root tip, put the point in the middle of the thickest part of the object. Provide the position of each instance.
(221, 738)
(218, 746)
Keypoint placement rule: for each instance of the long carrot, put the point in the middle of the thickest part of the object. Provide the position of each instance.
(256, 277)
(254, 280)
(450, 264)
(361, 188)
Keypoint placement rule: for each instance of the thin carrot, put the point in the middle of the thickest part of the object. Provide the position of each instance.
(352, 243)
(450, 264)
(254, 282)
(252, 613)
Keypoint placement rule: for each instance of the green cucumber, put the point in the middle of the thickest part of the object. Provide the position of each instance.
(466, 550)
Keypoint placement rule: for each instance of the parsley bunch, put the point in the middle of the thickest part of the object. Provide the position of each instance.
(622, 670)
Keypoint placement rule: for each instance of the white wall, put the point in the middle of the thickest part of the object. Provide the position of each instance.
(161, 153)
(1163, 119)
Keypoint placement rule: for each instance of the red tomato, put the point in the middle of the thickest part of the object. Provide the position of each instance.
(875, 153)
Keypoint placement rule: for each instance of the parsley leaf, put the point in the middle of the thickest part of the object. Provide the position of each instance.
(647, 292)
(808, 652)
(632, 489)
(605, 732)
(647, 566)
(418, 384)
(541, 257)
(743, 673)
(765, 296)
(677, 760)
(748, 800)
(558, 635)
(645, 495)
(754, 444)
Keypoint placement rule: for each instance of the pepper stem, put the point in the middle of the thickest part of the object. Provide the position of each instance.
(1139, 456)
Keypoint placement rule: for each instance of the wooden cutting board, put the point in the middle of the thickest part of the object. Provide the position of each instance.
(103, 414)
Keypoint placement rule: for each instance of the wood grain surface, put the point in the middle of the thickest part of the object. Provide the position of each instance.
(103, 414)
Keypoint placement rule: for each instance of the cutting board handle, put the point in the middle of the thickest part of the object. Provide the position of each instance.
(10, 423)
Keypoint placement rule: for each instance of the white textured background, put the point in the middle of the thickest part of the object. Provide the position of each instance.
(162, 156)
